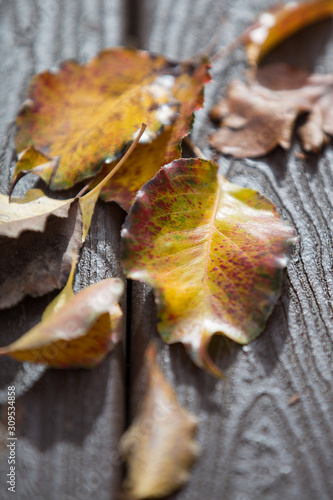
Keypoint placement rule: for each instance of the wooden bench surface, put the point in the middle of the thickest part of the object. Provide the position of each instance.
(255, 443)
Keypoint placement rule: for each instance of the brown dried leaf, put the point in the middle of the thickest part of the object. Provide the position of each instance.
(159, 446)
(257, 117)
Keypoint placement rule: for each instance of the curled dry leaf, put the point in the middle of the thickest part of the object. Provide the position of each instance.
(34, 161)
(257, 117)
(279, 23)
(38, 238)
(136, 171)
(78, 118)
(213, 252)
(159, 447)
(76, 331)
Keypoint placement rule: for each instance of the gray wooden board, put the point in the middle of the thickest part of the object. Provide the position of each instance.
(255, 444)
(69, 422)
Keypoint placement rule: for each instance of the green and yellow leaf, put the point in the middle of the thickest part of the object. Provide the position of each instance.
(213, 252)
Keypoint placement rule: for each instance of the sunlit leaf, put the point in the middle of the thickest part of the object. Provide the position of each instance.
(136, 171)
(38, 238)
(213, 252)
(279, 23)
(33, 161)
(159, 447)
(77, 335)
(82, 116)
(37, 251)
(148, 158)
(64, 296)
(257, 117)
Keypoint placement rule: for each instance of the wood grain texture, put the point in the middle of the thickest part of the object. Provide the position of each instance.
(69, 422)
(256, 444)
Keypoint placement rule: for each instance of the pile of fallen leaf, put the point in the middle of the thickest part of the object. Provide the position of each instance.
(201, 242)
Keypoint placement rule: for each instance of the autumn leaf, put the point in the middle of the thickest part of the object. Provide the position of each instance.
(257, 117)
(37, 250)
(281, 22)
(38, 238)
(148, 158)
(76, 331)
(159, 447)
(136, 171)
(78, 118)
(33, 161)
(213, 252)
(64, 296)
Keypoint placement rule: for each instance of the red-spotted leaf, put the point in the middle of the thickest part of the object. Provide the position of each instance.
(213, 252)
(76, 331)
(82, 116)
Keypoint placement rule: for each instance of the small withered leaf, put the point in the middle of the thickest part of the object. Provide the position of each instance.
(257, 117)
(160, 445)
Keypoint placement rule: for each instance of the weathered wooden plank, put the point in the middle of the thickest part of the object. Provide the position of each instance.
(69, 422)
(255, 444)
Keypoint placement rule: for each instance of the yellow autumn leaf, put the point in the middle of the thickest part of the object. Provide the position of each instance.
(160, 445)
(76, 334)
(82, 116)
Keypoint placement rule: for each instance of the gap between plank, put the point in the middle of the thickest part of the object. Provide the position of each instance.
(133, 23)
